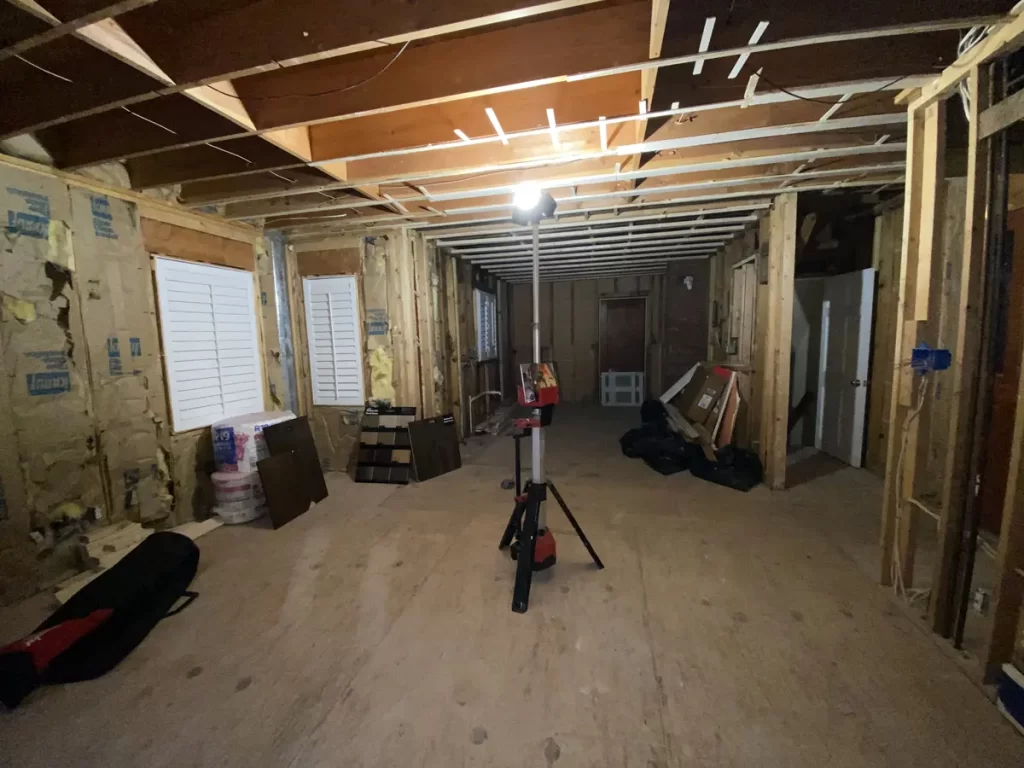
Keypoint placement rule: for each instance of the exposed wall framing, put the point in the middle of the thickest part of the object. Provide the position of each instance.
(944, 298)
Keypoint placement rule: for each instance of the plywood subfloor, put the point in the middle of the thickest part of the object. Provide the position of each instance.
(727, 630)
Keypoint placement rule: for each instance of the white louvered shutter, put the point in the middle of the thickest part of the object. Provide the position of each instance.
(335, 344)
(210, 342)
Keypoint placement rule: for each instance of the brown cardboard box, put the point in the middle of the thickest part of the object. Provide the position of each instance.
(700, 398)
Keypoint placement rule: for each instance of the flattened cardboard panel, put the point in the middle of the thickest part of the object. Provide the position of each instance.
(435, 446)
(284, 486)
(295, 435)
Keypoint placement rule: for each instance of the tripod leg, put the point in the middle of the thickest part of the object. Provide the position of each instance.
(514, 523)
(527, 548)
(519, 468)
(575, 525)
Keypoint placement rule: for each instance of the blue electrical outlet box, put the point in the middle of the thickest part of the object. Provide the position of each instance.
(924, 358)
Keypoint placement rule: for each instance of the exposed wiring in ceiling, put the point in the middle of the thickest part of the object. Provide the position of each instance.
(971, 38)
(352, 87)
(43, 69)
(868, 94)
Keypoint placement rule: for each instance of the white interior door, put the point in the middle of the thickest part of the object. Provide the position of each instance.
(843, 372)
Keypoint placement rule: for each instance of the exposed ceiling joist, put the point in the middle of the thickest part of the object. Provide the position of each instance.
(290, 208)
(682, 234)
(705, 248)
(285, 33)
(532, 53)
(590, 229)
(56, 27)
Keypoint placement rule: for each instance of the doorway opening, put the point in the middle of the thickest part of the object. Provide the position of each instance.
(622, 352)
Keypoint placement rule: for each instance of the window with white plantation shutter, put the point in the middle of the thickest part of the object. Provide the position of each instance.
(210, 342)
(335, 343)
(486, 325)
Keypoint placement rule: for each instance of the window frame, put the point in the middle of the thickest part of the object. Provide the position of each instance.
(180, 425)
(360, 343)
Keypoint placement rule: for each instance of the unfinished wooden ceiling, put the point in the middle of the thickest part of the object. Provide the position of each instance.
(660, 127)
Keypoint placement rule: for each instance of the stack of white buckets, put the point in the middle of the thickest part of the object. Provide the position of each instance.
(238, 444)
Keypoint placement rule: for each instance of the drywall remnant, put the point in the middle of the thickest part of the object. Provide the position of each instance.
(20, 309)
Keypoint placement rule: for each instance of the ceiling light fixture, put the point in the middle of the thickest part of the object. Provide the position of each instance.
(497, 126)
(754, 40)
(526, 196)
(602, 127)
(643, 106)
(705, 43)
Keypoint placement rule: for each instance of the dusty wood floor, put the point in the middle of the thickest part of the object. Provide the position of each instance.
(727, 630)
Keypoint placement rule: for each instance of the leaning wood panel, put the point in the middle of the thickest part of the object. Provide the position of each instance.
(963, 374)
(192, 245)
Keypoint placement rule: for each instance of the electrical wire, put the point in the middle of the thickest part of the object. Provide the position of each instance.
(352, 87)
(971, 38)
(895, 567)
(865, 95)
(43, 69)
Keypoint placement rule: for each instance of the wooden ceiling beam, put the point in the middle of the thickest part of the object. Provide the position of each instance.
(532, 53)
(172, 32)
(67, 77)
(604, 183)
(519, 110)
(237, 157)
(49, 27)
(191, 44)
(173, 122)
(204, 193)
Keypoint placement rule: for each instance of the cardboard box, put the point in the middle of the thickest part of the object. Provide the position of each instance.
(700, 398)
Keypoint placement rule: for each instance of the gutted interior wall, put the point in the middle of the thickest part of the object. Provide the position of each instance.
(478, 376)
(737, 320)
(938, 331)
(570, 330)
(687, 317)
(84, 422)
(398, 286)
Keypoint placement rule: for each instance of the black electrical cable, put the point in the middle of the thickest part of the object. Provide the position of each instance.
(352, 87)
(833, 103)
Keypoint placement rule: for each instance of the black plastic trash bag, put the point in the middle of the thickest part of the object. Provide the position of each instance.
(736, 468)
(659, 447)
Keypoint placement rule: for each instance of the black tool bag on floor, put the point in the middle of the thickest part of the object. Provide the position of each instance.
(105, 620)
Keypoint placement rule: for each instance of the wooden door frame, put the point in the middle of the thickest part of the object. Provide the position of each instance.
(601, 321)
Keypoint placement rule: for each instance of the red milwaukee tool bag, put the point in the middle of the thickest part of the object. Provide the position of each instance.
(105, 620)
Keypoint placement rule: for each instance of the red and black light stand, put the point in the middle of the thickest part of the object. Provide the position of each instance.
(534, 548)
(531, 542)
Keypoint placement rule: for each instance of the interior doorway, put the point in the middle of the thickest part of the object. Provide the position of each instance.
(622, 352)
(846, 314)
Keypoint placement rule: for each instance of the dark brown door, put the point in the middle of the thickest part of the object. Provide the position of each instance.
(999, 440)
(623, 334)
